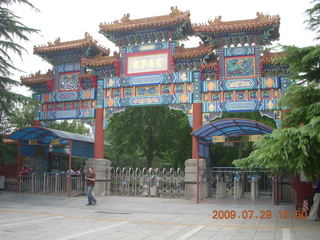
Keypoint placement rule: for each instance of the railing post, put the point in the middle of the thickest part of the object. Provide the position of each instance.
(44, 182)
(69, 185)
(149, 181)
(19, 183)
(56, 183)
(32, 182)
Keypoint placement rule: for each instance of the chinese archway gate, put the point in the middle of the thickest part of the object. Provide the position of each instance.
(229, 71)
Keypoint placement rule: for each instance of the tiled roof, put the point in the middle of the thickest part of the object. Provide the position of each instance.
(37, 78)
(200, 51)
(100, 61)
(126, 24)
(76, 44)
(218, 26)
(268, 57)
(209, 65)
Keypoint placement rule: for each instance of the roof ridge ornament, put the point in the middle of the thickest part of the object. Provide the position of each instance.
(216, 20)
(126, 18)
(57, 41)
(175, 11)
(262, 16)
(87, 36)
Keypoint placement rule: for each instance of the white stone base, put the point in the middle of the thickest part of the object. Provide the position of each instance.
(101, 168)
(191, 179)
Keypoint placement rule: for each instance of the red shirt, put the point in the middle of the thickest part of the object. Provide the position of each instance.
(24, 172)
(90, 182)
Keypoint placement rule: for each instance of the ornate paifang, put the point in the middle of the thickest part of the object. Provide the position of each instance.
(153, 68)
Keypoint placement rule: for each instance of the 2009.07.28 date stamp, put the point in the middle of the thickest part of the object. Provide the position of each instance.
(257, 214)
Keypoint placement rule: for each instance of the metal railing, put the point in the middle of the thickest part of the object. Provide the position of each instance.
(223, 179)
(150, 183)
(52, 183)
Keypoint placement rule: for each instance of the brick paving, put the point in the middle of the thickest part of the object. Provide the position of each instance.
(25, 216)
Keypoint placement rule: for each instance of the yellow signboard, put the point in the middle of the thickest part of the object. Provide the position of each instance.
(33, 141)
(254, 138)
(218, 139)
(55, 142)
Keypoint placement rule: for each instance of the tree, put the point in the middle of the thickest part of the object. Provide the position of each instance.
(156, 133)
(74, 126)
(12, 31)
(295, 147)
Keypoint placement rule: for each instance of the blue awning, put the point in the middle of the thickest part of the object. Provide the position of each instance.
(45, 135)
(231, 127)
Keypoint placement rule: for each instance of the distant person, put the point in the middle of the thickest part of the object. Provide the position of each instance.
(91, 178)
(313, 216)
(24, 172)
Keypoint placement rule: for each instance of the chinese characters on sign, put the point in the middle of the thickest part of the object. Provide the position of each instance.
(148, 63)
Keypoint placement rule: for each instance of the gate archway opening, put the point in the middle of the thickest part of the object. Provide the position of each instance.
(220, 130)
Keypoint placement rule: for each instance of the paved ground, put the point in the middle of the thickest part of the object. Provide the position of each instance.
(24, 216)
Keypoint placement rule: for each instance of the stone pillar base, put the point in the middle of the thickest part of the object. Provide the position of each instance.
(191, 179)
(102, 170)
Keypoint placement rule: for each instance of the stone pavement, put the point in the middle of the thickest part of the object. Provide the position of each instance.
(25, 216)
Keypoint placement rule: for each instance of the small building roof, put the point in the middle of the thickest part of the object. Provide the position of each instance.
(37, 77)
(209, 65)
(57, 46)
(217, 26)
(126, 24)
(99, 61)
(231, 127)
(48, 134)
(197, 52)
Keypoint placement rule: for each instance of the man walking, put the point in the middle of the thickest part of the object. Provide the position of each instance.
(91, 178)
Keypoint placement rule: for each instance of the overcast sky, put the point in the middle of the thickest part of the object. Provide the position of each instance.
(70, 19)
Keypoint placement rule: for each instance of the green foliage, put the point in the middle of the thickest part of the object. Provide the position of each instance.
(74, 126)
(303, 103)
(303, 62)
(287, 150)
(295, 147)
(314, 18)
(11, 30)
(151, 136)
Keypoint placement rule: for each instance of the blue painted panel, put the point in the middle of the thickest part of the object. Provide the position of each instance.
(67, 114)
(153, 79)
(147, 47)
(238, 51)
(68, 67)
(88, 94)
(149, 100)
(241, 84)
(238, 106)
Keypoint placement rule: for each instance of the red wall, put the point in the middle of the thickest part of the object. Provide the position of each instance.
(302, 190)
(9, 170)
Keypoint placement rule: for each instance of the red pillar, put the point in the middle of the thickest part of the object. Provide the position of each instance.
(99, 135)
(35, 123)
(197, 123)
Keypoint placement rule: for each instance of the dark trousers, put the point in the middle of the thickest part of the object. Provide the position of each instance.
(91, 199)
